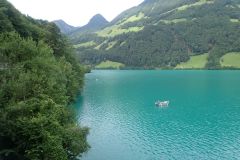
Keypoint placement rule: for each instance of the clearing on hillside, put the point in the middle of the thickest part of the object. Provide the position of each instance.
(195, 62)
(231, 60)
(109, 65)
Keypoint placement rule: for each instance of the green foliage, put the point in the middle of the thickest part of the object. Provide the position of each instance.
(86, 44)
(35, 88)
(109, 65)
(231, 60)
(111, 45)
(132, 19)
(199, 3)
(39, 79)
(171, 32)
(117, 30)
(173, 21)
(235, 20)
(195, 62)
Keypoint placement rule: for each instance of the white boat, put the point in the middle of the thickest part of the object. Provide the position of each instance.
(162, 103)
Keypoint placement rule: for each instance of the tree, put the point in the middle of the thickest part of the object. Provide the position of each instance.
(35, 90)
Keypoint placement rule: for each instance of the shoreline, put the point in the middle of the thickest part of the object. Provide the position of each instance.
(193, 69)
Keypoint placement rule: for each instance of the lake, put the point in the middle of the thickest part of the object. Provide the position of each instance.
(202, 120)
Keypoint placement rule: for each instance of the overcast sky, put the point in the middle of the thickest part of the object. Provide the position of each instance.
(74, 12)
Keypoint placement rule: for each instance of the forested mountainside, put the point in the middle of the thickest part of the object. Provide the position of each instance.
(39, 77)
(64, 27)
(168, 34)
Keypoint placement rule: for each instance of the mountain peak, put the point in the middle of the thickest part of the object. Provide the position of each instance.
(59, 21)
(64, 27)
(148, 1)
(97, 20)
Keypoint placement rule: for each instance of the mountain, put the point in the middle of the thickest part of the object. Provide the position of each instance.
(167, 34)
(64, 27)
(96, 22)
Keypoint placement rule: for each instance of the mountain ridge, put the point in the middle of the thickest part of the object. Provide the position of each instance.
(97, 22)
(64, 27)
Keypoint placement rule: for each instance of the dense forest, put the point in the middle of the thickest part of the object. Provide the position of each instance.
(39, 78)
(162, 34)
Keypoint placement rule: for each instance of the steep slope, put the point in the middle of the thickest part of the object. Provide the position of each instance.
(96, 22)
(64, 27)
(160, 33)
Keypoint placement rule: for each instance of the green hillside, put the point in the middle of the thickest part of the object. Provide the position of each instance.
(109, 65)
(164, 34)
(195, 62)
(231, 60)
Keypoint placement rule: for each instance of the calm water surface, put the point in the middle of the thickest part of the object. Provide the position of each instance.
(201, 122)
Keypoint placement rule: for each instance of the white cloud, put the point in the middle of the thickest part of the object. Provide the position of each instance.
(74, 12)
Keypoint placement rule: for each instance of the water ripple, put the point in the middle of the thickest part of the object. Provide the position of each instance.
(202, 121)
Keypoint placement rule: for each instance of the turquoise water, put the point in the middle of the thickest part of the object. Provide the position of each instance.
(201, 122)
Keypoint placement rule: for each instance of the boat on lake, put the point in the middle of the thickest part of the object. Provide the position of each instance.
(162, 103)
